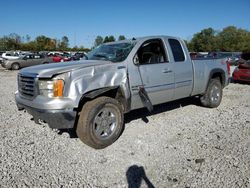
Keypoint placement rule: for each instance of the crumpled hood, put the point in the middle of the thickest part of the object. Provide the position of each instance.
(48, 70)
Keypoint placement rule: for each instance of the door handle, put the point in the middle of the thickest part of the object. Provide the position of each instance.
(167, 71)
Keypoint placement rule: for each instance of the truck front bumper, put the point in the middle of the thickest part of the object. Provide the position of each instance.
(56, 118)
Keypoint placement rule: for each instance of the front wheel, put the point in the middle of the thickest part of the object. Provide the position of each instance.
(15, 66)
(100, 122)
(212, 97)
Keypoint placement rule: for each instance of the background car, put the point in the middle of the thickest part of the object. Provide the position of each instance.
(1, 58)
(10, 55)
(25, 61)
(60, 58)
(78, 56)
(232, 57)
(242, 72)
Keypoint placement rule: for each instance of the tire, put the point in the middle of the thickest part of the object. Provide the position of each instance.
(212, 97)
(100, 122)
(15, 66)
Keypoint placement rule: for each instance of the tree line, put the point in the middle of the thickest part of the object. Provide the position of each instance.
(99, 39)
(229, 39)
(14, 41)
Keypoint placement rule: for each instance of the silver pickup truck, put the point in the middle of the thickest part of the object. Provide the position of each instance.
(93, 94)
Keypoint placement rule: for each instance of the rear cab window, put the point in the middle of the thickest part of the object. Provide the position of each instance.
(177, 50)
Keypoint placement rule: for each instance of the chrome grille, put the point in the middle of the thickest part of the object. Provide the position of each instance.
(26, 86)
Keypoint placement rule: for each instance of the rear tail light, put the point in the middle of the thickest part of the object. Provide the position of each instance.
(228, 65)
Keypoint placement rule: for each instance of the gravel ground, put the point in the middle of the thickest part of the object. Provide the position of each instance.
(180, 145)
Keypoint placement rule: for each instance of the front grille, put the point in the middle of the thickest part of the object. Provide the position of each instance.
(26, 86)
(245, 78)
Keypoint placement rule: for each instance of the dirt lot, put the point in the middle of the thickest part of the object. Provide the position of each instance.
(180, 145)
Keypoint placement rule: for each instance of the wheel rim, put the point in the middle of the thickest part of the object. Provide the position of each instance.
(15, 67)
(215, 93)
(105, 123)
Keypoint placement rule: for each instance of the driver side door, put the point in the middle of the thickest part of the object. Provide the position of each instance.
(156, 71)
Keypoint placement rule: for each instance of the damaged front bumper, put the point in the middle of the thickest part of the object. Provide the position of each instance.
(56, 118)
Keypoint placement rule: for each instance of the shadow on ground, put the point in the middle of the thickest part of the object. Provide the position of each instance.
(135, 175)
(144, 113)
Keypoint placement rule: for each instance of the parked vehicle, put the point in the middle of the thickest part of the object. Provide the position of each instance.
(78, 56)
(1, 58)
(25, 61)
(117, 77)
(60, 58)
(232, 57)
(197, 55)
(10, 55)
(242, 72)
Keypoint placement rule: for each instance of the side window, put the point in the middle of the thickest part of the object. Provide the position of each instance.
(151, 52)
(37, 57)
(176, 50)
(29, 56)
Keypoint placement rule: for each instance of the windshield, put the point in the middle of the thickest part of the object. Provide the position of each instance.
(111, 52)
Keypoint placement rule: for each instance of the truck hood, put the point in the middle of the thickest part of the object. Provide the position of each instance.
(48, 70)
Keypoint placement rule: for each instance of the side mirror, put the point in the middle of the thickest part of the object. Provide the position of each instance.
(136, 60)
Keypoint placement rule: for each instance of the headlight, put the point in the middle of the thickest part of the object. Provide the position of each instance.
(52, 88)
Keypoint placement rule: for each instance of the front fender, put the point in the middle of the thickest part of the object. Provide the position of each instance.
(94, 81)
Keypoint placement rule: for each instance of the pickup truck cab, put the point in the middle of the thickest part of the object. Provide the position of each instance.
(93, 94)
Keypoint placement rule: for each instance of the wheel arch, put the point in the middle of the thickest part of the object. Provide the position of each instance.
(115, 92)
(16, 62)
(217, 73)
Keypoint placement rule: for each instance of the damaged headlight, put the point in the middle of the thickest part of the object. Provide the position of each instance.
(54, 87)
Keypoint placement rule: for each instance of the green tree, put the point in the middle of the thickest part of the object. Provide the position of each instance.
(233, 39)
(98, 40)
(64, 43)
(205, 40)
(106, 39)
(121, 37)
(42, 43)
(110, 38)
(11, 42)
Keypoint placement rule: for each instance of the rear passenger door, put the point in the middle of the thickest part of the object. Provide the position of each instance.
(37, 60)
(183, 69)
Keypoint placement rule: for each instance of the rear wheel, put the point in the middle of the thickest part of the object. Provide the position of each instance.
(15, 66)
(100, 122)
(212, 97)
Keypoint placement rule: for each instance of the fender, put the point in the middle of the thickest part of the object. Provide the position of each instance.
(114, 92)
(219, 72)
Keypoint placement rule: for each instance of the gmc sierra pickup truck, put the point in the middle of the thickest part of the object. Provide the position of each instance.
(92, 95)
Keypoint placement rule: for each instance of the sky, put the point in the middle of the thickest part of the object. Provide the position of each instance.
(81, 21)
